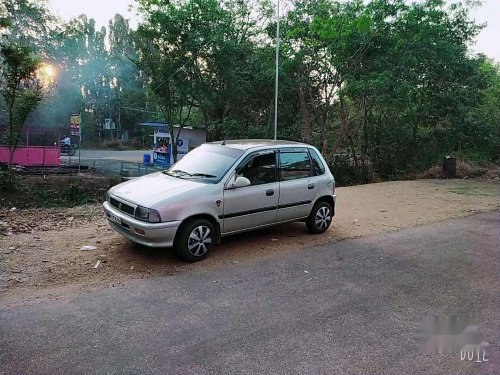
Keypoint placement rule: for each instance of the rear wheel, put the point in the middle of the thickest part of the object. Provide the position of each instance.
(195, 240)
(320, 217)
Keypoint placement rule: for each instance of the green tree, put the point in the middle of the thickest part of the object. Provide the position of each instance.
(30, 24)
(86, 59)
(22, 89)
(128, 83)
(170, 45)
(479, 137)
(388, 84)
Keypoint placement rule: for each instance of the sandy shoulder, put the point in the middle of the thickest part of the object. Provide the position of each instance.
(46, 260)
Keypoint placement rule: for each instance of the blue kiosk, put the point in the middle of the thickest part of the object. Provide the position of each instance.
(161, 133)
(162, 153)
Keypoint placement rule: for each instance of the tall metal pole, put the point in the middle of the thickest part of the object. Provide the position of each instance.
(277, 65)
(79, 144)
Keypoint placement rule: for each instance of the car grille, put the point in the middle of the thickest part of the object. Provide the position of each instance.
(124, 207)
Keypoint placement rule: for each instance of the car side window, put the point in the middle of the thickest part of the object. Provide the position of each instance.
(318, 166)
(294, 165)
(260, 169)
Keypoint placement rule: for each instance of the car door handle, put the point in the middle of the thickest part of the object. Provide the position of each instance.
(269, 192)
(310, 186)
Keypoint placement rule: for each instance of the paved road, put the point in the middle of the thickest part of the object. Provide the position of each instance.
(353, 312)
(129, 155)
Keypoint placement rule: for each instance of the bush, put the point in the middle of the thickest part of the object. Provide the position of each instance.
(113, 144)
(346, 173)
(465, 169)
(136, 143)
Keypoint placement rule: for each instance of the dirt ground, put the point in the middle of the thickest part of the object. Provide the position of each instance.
(41, 256)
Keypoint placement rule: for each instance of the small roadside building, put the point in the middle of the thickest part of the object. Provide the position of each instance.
(38, 146)
(162, 153)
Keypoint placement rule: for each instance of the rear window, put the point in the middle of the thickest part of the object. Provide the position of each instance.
(294, 165)
(318, 166)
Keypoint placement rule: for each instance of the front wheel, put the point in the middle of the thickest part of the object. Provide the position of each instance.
(320, 217)
(194, 240)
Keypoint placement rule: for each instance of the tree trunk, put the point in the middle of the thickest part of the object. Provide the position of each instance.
(414, 141)
(174, 150)
(12, 148)
(365, 129)
(344, 125)
(306, 122)
(174, 143)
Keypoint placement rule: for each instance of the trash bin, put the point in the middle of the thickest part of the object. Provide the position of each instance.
(449, 167)
(146, 159)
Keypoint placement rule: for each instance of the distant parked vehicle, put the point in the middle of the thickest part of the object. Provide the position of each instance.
(219, 189)
(68, 149)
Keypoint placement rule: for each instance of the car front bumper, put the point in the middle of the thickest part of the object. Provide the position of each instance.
(155, 234)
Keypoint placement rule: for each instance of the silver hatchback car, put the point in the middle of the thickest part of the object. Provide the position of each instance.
(223, 188)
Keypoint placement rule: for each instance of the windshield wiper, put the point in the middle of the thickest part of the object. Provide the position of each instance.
(203, 175)
(179, 173)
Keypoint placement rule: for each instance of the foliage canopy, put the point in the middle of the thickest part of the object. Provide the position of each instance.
(387, 84)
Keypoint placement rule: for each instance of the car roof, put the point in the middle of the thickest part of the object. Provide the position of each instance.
(246, 144)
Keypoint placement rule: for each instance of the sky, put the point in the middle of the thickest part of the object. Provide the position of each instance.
(100, 10)
(488, 42)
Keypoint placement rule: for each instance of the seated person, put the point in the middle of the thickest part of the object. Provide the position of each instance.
(163, 147)
(66, 141)
(260, 170)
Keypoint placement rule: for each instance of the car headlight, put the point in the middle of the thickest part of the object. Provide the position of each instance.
(108, 195)
(147, 214)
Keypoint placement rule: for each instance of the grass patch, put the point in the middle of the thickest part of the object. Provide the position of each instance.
(56, 191)
(471, 191)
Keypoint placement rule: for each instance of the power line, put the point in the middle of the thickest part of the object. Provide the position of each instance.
(141, 110)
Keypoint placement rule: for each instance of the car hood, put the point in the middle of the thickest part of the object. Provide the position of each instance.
(149, 190)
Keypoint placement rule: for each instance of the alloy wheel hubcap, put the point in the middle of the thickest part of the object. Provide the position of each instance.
(200, 240)
(323, 218)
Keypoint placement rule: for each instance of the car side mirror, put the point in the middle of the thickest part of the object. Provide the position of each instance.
(239, 183)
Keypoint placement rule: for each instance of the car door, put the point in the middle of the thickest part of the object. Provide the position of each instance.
(255, 205)
(322, 181)
(296, 185)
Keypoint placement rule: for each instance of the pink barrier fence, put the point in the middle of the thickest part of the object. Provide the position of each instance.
(32, 156)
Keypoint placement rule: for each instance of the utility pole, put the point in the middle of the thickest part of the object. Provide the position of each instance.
(79, 143)
(277, 68)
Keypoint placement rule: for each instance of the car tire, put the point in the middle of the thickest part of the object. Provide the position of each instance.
(195, 240)
(320, 218)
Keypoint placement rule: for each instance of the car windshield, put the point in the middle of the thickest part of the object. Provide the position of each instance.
(208, 163)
